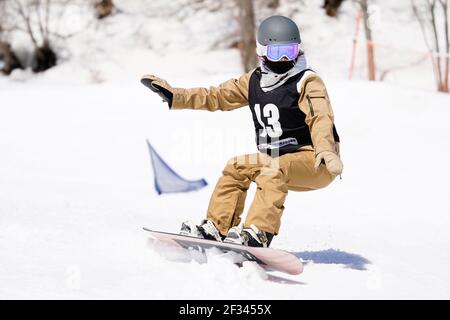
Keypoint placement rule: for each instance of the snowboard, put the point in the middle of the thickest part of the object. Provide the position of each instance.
(268, 258)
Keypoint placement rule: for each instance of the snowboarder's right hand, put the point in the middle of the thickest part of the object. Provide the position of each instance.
(159, 86)
(331, 160)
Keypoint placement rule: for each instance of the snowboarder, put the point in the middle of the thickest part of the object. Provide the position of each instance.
(295, 135)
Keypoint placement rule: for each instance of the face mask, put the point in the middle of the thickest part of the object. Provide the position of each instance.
(279, 67)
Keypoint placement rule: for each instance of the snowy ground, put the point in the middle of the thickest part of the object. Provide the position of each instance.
(76, 186)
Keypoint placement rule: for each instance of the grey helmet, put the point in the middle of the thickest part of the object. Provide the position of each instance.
(278, 30)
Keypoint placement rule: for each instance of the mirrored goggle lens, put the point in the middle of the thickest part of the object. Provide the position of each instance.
(277, 51)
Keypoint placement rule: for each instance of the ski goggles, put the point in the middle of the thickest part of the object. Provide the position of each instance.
(275, 52)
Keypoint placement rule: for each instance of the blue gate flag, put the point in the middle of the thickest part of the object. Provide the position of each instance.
(167, 180)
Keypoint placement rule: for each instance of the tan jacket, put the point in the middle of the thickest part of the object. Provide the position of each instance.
(232, 94)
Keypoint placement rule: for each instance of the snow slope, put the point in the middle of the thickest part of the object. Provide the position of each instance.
(76, 183)
(76, 187)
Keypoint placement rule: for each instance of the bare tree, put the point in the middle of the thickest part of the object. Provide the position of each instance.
(247, 44)
(273, 4)
(332, 7)
(364, 6)
(7, 55)
(34, 19)
(427, 15)
(9, 58)
(104, 8)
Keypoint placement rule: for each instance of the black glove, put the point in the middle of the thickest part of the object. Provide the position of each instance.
(159, 86)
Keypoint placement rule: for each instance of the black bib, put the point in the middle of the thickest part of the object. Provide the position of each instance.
(280, 125)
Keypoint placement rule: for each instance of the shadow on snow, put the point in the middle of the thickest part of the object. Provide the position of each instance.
(333, 256)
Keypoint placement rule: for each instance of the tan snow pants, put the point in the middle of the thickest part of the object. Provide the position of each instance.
(273, 177)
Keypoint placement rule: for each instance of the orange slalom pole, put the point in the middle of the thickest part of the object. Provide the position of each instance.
(355, 44)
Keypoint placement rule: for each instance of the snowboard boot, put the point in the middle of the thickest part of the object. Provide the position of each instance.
(188, 228)
(234, 236)
(252, 237)
(206, 230)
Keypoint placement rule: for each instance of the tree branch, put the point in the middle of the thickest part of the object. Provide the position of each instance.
(432, 7)
(47, 18)
(422, 25)
(444, 4)
(26, 18)
(427, 43)
(37, 4)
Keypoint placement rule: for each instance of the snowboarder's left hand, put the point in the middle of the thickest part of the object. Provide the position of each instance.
(159, 86)
(332, 162)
